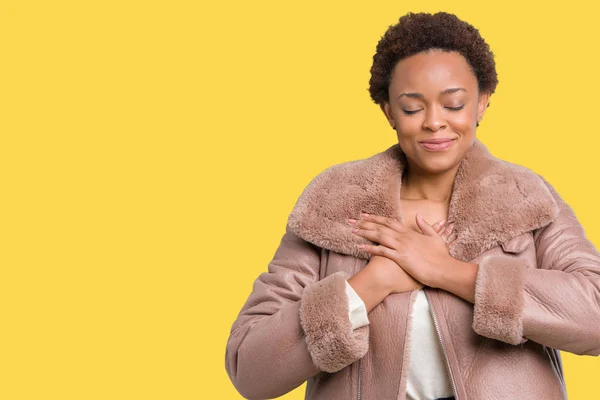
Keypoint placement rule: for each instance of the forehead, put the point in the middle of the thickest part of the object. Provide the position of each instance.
(432, 72)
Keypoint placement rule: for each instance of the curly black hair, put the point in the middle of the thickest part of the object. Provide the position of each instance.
(416, 32)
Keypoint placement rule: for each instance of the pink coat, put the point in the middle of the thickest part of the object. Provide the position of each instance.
(537, 291)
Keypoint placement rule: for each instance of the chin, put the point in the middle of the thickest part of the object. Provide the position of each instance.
(438, 163)
(439, 167)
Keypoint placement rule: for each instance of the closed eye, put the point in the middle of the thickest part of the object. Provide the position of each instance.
(449, 108)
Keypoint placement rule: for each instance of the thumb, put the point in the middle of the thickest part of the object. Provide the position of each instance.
(424, 226)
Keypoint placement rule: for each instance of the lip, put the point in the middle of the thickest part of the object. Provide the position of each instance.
(439, 140)
(437, 144)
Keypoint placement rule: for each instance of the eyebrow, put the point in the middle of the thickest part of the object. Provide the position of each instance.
(420, 95)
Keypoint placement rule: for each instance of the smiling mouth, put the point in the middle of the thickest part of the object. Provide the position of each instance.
(437, 145)
(439, 140)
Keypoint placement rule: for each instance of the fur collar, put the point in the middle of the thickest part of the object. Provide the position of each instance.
(492, 201)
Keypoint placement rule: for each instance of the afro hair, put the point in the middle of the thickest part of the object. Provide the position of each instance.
(417, 32)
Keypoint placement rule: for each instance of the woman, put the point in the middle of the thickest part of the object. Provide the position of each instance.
(506, 270)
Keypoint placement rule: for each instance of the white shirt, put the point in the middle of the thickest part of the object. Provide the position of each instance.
(427, 375)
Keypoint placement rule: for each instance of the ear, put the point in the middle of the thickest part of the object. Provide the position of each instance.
(387, 111)
(482, 105)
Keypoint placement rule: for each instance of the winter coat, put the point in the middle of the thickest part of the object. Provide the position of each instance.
(537, 290)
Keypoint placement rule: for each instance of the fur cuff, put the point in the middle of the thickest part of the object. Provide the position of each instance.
(498, 308)
(324, 318)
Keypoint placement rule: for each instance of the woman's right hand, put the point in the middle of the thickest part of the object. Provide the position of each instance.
(382, 276)
(398, 280)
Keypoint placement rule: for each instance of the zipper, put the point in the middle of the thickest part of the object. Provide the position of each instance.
(444, 350)
(359, 379)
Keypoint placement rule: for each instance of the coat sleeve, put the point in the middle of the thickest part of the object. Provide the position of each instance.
(293, 325)
(556, 304)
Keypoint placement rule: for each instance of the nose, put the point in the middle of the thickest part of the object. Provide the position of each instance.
(434, 119)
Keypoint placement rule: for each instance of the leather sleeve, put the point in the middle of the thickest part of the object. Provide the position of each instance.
(556, 304)
(293, 325)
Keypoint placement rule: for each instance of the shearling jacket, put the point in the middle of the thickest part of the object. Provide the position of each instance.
(537, 290)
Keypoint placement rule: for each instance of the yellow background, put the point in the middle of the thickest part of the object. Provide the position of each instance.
(152, 150)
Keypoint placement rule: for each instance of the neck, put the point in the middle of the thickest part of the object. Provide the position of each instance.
(422, 185)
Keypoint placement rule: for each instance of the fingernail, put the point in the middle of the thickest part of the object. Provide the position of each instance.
(442, 223)
(351, 220)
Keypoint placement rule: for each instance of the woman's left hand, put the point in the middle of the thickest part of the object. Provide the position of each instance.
(421, 255)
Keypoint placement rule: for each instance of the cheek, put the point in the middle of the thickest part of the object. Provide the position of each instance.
(463, 121)
(409, 125)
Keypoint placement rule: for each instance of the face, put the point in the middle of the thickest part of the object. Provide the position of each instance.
(434, 96)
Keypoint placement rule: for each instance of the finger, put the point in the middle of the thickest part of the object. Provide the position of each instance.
(451, 243)
(448, 230)
(365, 226)
(378, 250)
(424, 226)
(380, 236)
(439, 226)
(392, 223)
